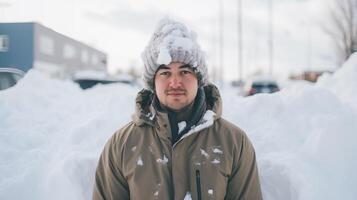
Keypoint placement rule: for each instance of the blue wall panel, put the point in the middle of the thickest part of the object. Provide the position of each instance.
(21, 45)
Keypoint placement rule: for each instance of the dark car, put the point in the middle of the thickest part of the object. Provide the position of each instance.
(88, 79)
(9, 77)
(262, 86)
(88, 83)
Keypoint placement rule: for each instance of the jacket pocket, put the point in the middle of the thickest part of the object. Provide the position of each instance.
(198, 184)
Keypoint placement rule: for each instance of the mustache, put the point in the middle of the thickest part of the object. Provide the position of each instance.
(179, 90)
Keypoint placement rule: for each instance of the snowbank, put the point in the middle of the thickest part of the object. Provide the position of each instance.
(52, 133)
(305, 137)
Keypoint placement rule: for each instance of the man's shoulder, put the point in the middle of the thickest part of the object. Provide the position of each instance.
(227, 127)
(131, 129)
(126, 130)
(233, 134)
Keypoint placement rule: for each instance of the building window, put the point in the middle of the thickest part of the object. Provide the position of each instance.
(95, 60)
(104, 61)
(84, 56)
(4, 43)
(69, 51)
(47, 45)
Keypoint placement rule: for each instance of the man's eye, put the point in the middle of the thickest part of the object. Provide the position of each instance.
(164, 73)
(186, 72)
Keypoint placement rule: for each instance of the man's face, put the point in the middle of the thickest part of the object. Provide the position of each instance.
(176, 85)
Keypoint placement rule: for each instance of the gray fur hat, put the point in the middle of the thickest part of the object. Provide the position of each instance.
(172, 41)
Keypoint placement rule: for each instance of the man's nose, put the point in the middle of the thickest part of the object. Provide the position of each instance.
(175, 81)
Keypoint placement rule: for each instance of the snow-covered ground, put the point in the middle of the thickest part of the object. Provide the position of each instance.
(52, 132)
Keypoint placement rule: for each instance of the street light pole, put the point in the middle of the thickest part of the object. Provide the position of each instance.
(4, 5)
(309, 48)
(240, 46)
(271, 37)
(221, 42)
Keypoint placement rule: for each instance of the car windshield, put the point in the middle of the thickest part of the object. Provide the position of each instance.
(266, 85)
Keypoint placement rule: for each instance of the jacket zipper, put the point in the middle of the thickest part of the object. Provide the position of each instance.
(198, 184)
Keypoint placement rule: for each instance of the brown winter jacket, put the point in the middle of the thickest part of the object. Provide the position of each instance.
(214, 160)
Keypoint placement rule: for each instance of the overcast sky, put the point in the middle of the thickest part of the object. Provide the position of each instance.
(122, 28)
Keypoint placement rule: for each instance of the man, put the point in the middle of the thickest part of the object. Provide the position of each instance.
(177, 146)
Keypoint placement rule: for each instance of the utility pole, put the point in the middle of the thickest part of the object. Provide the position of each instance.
(214, 52)
(4, 5)
(271, 37)
(309, 48)
(221, 42)
(240, 46)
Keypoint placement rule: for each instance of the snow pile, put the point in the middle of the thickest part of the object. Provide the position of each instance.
(305, 137)
(52, 133)
(343, 83)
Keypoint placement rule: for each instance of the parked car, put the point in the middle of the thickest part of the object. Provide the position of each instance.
(87, 79)
(88, 83)
(9, 77)
(261, 85)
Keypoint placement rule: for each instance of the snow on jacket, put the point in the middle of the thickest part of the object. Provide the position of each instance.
(214, 160)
